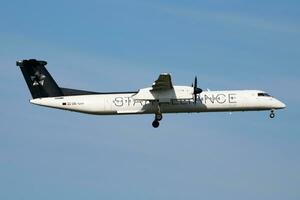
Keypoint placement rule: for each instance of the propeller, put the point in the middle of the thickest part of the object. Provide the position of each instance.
(196, 89)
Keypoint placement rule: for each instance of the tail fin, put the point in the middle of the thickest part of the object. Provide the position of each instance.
(38, 79)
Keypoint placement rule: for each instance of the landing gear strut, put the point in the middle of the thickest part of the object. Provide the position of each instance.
(158, 117)
(272, 114)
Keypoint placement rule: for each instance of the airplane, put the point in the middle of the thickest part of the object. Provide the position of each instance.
(162, 97)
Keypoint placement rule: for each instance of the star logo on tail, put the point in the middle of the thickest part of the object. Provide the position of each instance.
(38, 79)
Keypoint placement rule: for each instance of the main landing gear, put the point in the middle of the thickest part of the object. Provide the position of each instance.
(158, 118)
(272, 114)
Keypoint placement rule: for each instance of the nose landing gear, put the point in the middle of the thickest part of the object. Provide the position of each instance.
(272, 114)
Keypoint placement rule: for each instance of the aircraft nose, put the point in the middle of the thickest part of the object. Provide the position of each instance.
(280, 105)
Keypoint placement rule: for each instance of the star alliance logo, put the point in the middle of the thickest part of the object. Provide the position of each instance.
(38, 79)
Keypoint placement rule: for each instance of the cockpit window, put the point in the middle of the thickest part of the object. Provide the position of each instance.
(263, 95)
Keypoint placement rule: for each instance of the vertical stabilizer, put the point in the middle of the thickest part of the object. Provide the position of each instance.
(38, 79)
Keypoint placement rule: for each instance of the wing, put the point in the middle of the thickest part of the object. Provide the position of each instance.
(162, 83)
(162, 90)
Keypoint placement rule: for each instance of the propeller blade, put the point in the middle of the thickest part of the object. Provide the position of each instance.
(196, 89)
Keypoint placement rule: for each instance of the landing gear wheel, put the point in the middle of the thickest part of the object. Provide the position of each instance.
(272, 114)
(155, 124)
(158, 117)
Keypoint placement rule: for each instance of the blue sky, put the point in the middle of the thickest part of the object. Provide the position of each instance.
(124, 45)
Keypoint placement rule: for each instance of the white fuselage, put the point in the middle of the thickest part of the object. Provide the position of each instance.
(124, 103)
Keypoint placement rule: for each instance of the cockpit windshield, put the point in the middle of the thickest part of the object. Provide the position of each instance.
(264, 95)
